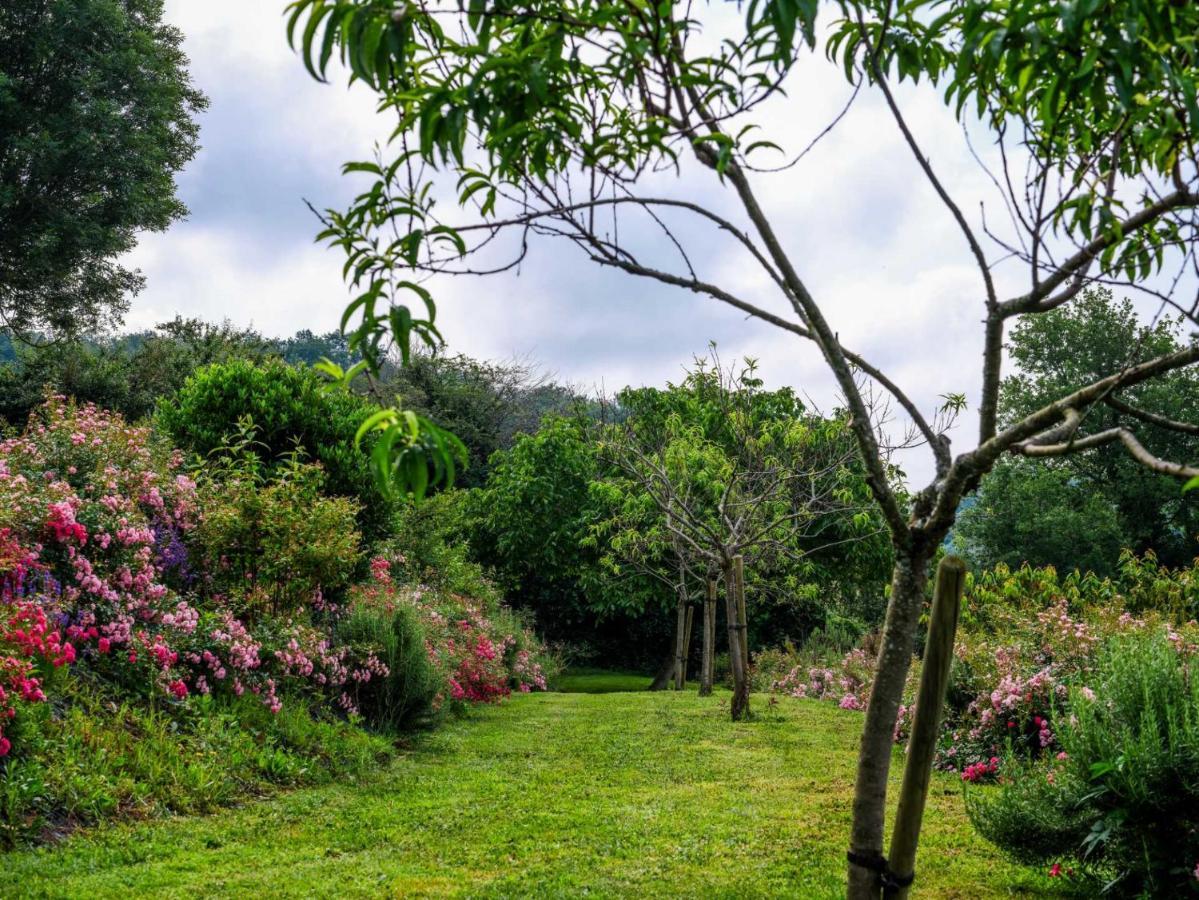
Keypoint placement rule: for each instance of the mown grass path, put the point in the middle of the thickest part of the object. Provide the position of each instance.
(548, 795)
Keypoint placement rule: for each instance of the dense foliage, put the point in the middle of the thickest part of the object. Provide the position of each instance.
(289, 409)
(574, 535)
(1032, 511)
(97, 115)
(183, 598)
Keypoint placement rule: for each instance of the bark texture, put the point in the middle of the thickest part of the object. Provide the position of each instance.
(866, 861)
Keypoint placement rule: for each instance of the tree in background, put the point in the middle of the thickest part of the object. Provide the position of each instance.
(1044, 515)
(486, 404)
(1082, 509)
(128, 373)
(97, 115)
(715, 471)
(558, 118)
(531, 523)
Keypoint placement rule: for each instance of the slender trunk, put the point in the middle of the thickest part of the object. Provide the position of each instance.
(934, 680)
(687, 642)
(662, 679)
(740, 706)
(866, 861)
(705, 668)
(680, 629)
(742, 626)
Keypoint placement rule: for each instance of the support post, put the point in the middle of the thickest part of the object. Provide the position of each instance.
(740, 704)
(934, 681)
(680, 638)
(687, 643)
(739, 576)
(706, 663)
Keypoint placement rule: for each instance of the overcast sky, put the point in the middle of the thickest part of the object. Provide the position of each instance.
(865, 231)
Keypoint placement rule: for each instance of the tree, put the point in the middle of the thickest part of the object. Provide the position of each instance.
(97, 115)
(1105, 494)
(532, 521)
(716, 472)
(554, 115)
(128, 373)
(486, 404)
(1038, 513)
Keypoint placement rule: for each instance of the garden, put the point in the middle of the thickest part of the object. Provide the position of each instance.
(355, 612)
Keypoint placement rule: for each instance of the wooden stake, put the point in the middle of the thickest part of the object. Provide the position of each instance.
(687, 642)
(739, 578)
(705, 668)
(934, 681)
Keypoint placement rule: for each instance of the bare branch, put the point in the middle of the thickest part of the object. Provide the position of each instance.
(1134, 447)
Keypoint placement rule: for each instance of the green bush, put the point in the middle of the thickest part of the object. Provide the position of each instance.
(271, 543)
(290, 408)
(429, 544)
(1121, 803)
(404, 698)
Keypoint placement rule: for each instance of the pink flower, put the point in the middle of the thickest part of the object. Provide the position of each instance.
(1055, 870)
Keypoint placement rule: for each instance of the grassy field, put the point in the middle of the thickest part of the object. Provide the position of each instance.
(561, 794)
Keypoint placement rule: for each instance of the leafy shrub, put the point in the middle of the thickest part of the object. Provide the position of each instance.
(1120, 802)
(270, 541)
(405, 696)
(290, 408)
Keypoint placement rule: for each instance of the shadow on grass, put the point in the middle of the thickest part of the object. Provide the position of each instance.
(601, 681)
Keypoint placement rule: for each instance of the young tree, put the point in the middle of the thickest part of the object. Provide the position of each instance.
(716, 471)
(97, 115)
(556, 114)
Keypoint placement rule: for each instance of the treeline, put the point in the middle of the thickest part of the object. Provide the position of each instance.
(485, 403)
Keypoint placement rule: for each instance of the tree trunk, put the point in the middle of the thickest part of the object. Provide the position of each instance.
(687, 642)
(705, 668)
(662, 679)
(934, 680)
(740, 706)
(680, 627)
(866, 861)
(742, 627)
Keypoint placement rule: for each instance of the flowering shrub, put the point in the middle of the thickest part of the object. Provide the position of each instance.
(479, 654)
(1026, 645)
(848, 685)
(1119, 804)
(96, 522)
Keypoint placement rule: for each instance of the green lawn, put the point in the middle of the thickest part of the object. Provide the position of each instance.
(558, 794)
